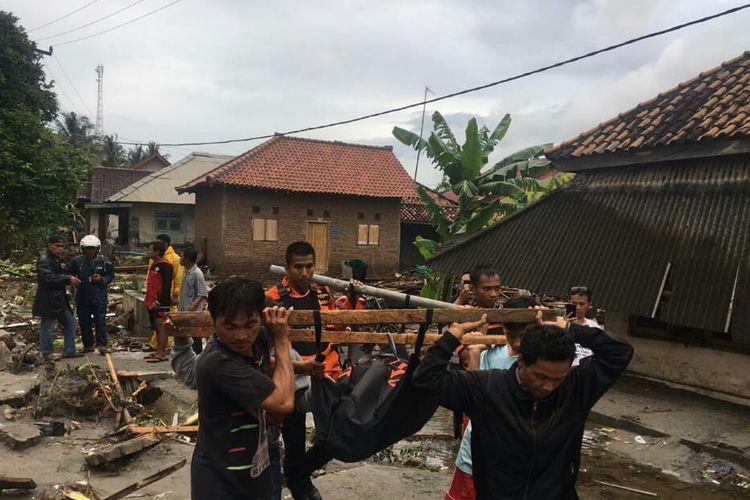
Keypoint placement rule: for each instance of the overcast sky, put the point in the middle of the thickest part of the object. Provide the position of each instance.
(201, 70)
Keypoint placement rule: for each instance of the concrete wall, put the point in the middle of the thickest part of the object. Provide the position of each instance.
(701, 367)
(146, 225)
(230, 221)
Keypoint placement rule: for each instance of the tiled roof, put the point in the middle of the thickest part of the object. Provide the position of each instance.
(687, 218)
(106, 181)
(313, 166)
(414, 211)
(714, 104)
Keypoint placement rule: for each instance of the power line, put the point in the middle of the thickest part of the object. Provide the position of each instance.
(62, 90)
(120, 25)
(71, 83)
(63, 17)
(92, 22)
(478, 88)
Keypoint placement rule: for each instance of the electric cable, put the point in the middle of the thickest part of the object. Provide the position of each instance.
(62, 17)
(92, 22)
(470, 90)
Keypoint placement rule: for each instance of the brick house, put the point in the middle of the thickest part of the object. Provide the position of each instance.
(345, 199)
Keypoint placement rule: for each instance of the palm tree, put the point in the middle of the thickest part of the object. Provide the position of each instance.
(114, 154)
(76, 130)
(151, 148)
(136, 154)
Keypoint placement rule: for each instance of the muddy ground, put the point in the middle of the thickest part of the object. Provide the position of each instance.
(419, 468)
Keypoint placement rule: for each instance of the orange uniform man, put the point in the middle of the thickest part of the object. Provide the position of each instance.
(299, 291)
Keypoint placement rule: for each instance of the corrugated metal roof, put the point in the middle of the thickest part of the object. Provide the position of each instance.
(159, 187)
(616, 230)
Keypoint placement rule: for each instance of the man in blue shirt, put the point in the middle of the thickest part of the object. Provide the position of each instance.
(95, 273)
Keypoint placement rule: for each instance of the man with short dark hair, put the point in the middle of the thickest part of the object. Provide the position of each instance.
(158, 298)
(485, 291)
(298, 290)
(193, 290)
(236, 386)
(528, 420)
(51, 300)
(496, 357)
(580, 296)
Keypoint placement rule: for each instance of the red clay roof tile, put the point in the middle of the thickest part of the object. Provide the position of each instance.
(313, 166)
(709, 106)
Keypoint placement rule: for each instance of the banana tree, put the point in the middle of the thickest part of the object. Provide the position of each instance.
(484, 193)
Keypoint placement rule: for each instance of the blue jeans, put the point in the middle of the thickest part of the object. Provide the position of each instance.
(96, 306)
(47, 333)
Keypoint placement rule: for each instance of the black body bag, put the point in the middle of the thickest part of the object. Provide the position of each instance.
(371, 405)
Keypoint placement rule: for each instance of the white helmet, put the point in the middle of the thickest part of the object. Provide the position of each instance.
(90, 241)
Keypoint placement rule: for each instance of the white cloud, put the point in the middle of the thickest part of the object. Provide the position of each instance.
(232, 68)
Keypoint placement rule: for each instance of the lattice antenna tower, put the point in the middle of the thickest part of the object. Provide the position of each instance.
(99, 130)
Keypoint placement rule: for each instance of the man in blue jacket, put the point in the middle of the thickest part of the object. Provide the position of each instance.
(95, 273)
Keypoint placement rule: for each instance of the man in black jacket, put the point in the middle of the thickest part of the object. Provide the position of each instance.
(528, 420)
(51, 301)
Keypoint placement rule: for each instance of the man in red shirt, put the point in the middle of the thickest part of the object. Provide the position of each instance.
(299, 291)
(158, 295)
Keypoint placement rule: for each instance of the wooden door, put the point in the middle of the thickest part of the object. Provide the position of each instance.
(317, 236)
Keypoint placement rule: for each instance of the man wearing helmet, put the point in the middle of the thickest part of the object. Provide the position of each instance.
(95, 273)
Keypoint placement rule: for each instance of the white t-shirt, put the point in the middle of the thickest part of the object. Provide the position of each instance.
(583, 352)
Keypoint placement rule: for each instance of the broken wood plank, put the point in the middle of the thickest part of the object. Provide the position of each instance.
(123, 415)
(626, 488)
(144, 375)
(116, 451)
(16, 483)
(146, 481)
(381, 316)
(161, 429)
(339, 337)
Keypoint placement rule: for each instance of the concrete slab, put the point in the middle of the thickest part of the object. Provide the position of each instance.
(16, 390)
(18, 436)
(702, 423)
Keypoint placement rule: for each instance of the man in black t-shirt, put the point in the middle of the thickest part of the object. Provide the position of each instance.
(236, 386)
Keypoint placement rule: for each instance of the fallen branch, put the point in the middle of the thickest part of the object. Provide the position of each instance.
(146, 481)
(144, 375)
(160, 429)
(123, 415)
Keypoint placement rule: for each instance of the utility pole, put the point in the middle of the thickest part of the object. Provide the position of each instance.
(421, 127)
(99, 129)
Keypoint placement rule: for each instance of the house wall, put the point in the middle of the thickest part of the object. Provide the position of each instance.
(242, 255)
(700, 367)
(146, 223)
(209, 215)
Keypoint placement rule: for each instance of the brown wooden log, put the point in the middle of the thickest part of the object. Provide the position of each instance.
(146, 481)
(342, 337)
(16, 483)
(160, 429)
(382, 316)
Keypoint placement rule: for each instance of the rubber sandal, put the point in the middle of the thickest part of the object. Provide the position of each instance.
(157, 360)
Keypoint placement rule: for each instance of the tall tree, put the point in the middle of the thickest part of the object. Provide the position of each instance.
(40, 174)
(76, 130)
(114, 154)
(151, 148)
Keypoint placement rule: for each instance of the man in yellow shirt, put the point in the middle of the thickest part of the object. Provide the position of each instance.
(177, 270)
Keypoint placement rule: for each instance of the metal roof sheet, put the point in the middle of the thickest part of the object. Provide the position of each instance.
(615, 230)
